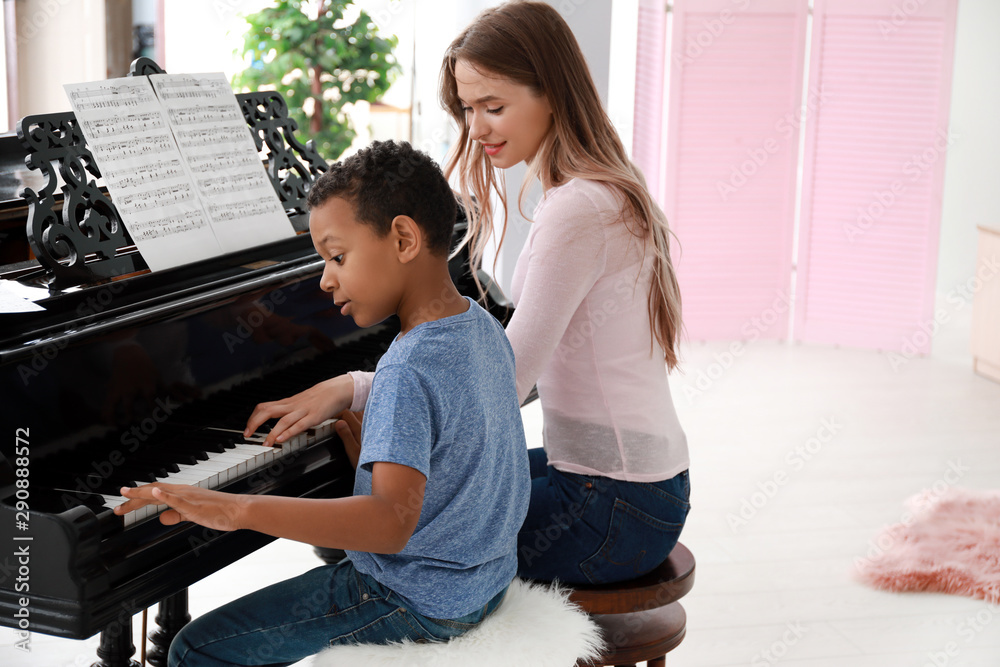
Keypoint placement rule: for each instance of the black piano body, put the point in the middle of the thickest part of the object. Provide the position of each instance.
(116, 375)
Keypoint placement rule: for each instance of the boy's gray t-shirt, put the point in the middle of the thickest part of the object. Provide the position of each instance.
(444, 402)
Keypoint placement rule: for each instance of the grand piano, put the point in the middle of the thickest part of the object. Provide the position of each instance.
(127, 376)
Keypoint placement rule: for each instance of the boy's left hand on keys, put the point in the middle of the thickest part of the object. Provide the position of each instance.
(213, 509)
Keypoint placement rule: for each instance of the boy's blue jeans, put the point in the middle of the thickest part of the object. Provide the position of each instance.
(327, 606)
(588, 529)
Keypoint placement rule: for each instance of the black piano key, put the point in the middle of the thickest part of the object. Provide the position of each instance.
(83, 481)
(142, 473)
(185, 448)
(213, 441)
(109, 486)
(167, 458)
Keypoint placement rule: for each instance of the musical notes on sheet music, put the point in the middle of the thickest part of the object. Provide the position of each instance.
(222, 184)
(210, 135)
(187, 86)
(180, 164)
(218, 149)
(155, 227)
(129, 134)
(140, 145)
(158, 198)
(107, 127)
(239, 211)
(105, 95)
(203, 164)
(145, 174)
(207, 114)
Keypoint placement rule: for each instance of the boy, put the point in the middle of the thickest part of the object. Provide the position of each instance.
(442, 484)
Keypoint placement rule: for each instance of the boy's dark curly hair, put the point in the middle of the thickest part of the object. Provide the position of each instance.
(389, 179)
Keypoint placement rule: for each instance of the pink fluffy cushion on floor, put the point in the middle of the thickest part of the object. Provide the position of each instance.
(947, 542)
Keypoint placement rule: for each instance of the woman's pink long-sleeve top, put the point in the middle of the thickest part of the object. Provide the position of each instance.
(580, 330)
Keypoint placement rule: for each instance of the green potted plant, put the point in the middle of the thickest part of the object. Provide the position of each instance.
(319, 62)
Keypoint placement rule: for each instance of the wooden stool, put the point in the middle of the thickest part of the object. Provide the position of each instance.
(641, 619)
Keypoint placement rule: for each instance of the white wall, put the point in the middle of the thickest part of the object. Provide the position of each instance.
(972, 173)
(591, 23)
(4, 119)
(43, 62)
(622, 62)
(201, 36)
(435, 26)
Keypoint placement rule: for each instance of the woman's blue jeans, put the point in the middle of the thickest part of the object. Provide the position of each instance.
(588, 529)
(327, 606)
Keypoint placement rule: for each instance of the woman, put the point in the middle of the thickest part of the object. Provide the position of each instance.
(597, 307)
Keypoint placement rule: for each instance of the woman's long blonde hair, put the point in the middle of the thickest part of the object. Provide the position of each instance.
(530, 44)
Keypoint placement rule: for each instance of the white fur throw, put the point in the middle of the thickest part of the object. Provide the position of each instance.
(534, 626)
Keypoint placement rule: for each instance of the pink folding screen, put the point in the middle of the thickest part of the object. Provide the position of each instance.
(732, 146)
(873, 172)
(650, 68)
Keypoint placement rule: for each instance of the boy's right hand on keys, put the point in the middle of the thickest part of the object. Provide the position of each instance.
(303, 410)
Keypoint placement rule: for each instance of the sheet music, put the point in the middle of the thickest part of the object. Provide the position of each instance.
(128, 132)
(216, 144)
(12, 302)
(180, 164)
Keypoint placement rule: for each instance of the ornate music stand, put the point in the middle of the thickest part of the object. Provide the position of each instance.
(80, 239)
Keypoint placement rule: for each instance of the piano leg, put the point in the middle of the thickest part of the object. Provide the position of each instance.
(171, 617)
(116, 647)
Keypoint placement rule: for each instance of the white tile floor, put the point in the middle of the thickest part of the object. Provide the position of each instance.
(818, 447)
(783, 505)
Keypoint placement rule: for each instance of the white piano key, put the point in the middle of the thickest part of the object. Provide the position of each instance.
(224, 466)
(325, 429)
(213, 465)
(187, 478)
(238, 463)
(297, 442)
(148, 511)
(112, 502)
(262, 455)
(234, 457)
(188, 473)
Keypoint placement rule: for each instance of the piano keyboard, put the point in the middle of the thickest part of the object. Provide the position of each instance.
(236, 461)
